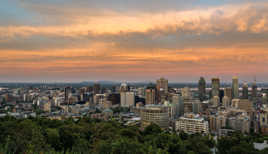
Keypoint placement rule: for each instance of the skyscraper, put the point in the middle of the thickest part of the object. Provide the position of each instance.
(96, 88)
(162, 85)
(245, 91)
(254, 90)
(161, 89)
(228, 92)
(150, 94)
(215, 87)
(67, 91)
(178, 101)
(235, 87)
(127, 99)
(202, 88)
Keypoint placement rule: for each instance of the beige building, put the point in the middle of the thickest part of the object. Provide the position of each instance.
(150, 95)
(215, 84)
(226, 101)
(216, 122)
(235, 87)
(186, 93)
(240, 123)
(154, 114)
(215, 101)
(243, 104)
(187, 107)
(127, 99)
(45, 106)
(192, 124)
(162, 85)
(228, 92)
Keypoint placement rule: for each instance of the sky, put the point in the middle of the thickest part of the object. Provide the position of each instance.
(133, 40)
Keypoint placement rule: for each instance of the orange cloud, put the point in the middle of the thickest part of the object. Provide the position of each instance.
(212, 20)
(110, 44)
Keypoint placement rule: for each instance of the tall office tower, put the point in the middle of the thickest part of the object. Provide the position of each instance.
(150, 94)
(215, 86)
(67, 92)
(161, 90)
(127, 99)
(235, 87)
(96, 88)
(177, 100)
(254, 90)
(202, 88)
(228, 92)
(245, 91)
(162, 85)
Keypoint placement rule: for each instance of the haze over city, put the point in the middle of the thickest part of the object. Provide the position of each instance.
(59, 40)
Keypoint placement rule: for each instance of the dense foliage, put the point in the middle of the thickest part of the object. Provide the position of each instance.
(38, 135)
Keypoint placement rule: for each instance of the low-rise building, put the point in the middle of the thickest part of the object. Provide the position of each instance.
(157, 114)
(191, 124)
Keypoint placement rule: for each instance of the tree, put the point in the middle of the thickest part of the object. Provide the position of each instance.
(152, 129)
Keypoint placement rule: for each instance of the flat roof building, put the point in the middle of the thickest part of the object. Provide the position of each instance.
(191, 124)
(156, 114)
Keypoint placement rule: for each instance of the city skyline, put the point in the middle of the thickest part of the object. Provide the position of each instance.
(74, 41)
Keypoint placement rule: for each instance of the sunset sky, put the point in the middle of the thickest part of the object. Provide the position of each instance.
(133, 40)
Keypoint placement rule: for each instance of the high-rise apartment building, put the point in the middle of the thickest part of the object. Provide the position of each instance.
(235, 87)
(127, 99)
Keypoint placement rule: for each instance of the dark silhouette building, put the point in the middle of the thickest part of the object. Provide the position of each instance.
(202, 88)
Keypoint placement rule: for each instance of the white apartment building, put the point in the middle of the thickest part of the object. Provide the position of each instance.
(192, 124)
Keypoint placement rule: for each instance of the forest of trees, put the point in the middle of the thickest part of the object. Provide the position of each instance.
(40, 135)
